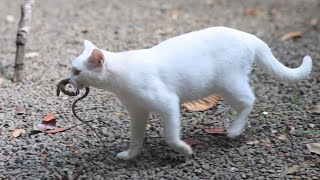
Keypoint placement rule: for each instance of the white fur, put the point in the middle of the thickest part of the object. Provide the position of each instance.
(216, 60)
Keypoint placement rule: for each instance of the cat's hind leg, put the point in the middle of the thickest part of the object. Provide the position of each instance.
(240, 97)
(138, 122)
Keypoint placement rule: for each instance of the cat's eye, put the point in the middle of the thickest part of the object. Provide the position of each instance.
(77, 72)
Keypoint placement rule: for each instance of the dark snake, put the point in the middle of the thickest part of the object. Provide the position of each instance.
(61, 87)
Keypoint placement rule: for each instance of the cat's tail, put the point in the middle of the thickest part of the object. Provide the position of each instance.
(271, 65)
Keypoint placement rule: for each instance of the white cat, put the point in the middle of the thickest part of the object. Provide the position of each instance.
(216, 60)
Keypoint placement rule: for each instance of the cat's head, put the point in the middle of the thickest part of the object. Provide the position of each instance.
(88, 67)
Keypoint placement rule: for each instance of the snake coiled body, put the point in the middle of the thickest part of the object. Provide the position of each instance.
(61, 87)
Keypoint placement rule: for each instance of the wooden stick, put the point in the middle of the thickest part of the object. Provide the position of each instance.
(23, 30)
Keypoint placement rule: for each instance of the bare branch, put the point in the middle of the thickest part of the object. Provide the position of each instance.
(23, 31)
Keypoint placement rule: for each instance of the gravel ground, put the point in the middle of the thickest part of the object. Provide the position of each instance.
(57, 33)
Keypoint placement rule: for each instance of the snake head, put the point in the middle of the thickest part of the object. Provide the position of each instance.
(61, 87)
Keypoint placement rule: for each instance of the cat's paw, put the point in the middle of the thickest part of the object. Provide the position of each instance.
(187, 150)
(127, 155)
(233, 133)
(182, 148)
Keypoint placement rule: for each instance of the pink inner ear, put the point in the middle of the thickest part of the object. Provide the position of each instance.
(96, 58)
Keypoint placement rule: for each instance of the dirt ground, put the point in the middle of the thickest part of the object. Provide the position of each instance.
(58, 30)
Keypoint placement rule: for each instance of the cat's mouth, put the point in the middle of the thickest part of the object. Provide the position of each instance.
(62, 85)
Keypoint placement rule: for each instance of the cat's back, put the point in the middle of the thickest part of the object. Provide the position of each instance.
(219, 35)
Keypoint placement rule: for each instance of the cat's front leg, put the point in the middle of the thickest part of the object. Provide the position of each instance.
(138, 122)
(171, 120)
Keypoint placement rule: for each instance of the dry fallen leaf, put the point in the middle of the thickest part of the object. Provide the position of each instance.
(52, 131)
(17, 132)
(289, 129)
(20, 110)
(314, 147)
(291, 35)
(192, 142)
(49, 117)
(314, 109)
(250, 11)
(292, 170)
(214, 131)
(202, 104)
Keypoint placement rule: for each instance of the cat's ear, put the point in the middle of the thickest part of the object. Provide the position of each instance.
(96, 58)
(89, 45)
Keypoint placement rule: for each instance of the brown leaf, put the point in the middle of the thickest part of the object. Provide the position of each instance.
(250, 11)
(192, 142)
(49, 117)
(314, 147)
(17, 132)
(20, 110)
(291, 35)
(289, 129)
(314, 109)
(292, 170)
(214, 131)
(202, 104)
(52, 131)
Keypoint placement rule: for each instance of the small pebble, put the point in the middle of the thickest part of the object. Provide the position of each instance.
(233, 169)
(312, 125)
(32, 55)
